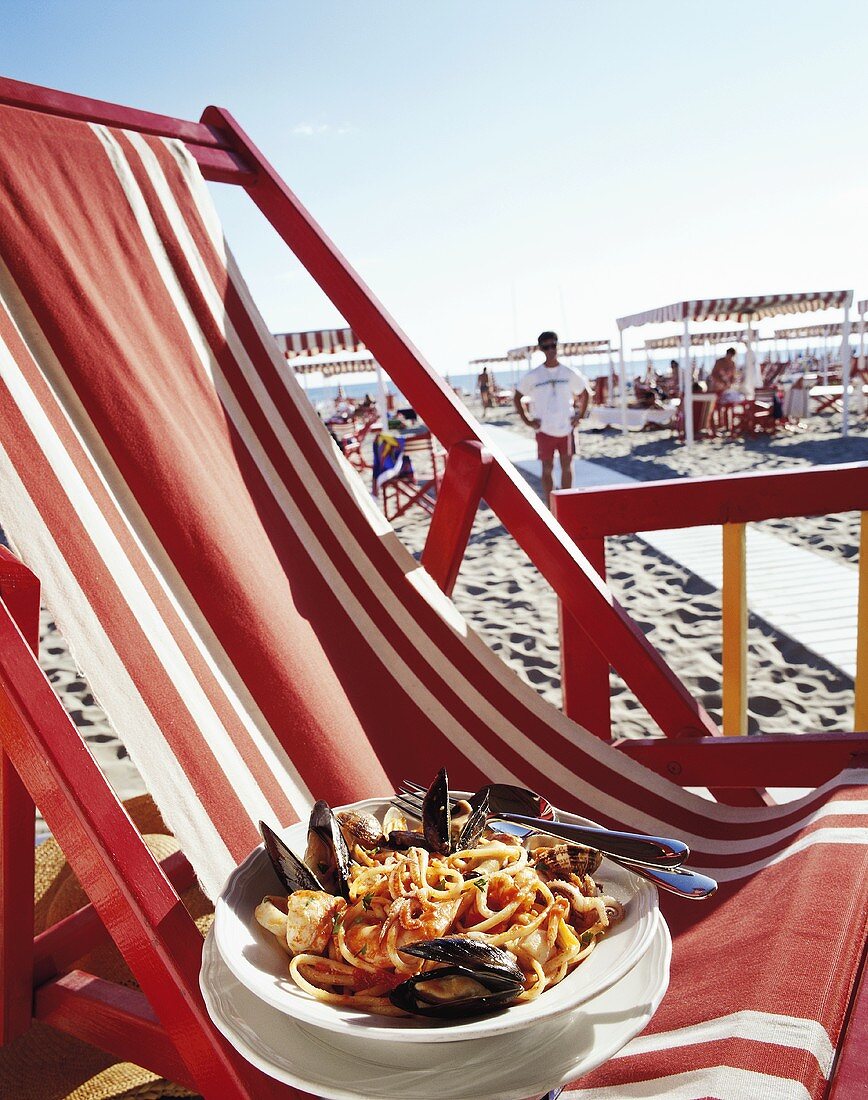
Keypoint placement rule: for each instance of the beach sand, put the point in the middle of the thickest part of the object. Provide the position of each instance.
(507, 601)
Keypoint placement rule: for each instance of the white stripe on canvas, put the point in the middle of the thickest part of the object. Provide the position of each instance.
(760, 1027)
(723, 1082)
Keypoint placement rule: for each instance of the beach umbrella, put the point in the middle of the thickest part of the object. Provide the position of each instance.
(753, 378)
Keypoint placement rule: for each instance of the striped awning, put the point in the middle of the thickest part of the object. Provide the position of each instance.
(740, 309)
(697, 339)
(574, 347)
(321, 341)
(335, 366)
(492, 359)
(810, 331)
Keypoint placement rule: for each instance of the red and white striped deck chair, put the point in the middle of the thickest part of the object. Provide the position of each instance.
(259, 637)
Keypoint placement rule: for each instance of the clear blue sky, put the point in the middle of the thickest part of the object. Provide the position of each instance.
(497, 167)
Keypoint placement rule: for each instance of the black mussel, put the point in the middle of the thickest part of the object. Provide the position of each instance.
(436, 815)
(287, 866)
(455, 991)
(399, 840)
(471, 954)
(327, 854)
(473, 826)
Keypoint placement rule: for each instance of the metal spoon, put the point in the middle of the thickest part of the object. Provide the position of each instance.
(508, 799)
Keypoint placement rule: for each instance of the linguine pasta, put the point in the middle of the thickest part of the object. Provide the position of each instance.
(348, 952)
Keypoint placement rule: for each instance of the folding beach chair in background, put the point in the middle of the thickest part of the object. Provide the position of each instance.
(260, 638)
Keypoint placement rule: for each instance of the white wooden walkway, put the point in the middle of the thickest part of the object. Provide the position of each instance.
(808, 597)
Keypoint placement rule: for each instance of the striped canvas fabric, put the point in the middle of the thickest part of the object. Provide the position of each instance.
(260, 638)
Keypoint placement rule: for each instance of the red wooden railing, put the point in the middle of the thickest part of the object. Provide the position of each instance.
(589, 515)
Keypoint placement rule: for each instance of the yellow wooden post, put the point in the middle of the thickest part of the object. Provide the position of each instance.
(860, 707)
(734, 629)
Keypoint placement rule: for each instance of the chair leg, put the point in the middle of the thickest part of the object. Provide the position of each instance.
(19, 592)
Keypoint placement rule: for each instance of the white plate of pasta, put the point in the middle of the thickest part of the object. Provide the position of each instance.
(356, 976)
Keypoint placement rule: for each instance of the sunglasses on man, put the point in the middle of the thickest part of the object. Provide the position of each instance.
(548, 345)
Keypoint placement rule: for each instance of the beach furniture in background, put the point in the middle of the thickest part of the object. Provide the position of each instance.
(748, 310)
(408, 487)
(702, 408)
(259, 636)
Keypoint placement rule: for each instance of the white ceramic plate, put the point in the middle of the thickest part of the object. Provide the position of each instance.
(255, 958)
(341, 1066)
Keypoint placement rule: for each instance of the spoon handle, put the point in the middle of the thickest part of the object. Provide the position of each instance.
(655, 850)
(676, 880)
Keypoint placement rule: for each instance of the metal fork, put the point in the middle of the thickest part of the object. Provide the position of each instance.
(675, 880)
(653, 851)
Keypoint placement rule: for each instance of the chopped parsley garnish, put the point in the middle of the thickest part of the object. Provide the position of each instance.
(366, 901)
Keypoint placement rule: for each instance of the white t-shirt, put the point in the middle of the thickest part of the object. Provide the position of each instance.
(551, 390)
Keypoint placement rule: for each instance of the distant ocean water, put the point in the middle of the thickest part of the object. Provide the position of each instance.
(357, 385)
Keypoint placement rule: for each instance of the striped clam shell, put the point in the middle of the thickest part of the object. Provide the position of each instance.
(563, 860)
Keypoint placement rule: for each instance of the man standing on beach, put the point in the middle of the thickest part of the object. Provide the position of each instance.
(560, 398)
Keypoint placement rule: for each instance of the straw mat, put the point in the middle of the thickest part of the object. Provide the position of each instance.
(45, 1064)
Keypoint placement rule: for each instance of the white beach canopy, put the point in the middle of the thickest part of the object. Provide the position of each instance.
(298, 346)
(319, 341)
(747, 310)
(697, 339)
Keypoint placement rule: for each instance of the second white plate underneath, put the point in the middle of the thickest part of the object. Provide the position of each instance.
(342, 1066)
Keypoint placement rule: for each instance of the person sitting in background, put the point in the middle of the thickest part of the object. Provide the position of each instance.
(722, 377)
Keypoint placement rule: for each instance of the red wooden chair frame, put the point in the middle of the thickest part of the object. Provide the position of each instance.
(756, 414)
(400, 494)
(134, 899)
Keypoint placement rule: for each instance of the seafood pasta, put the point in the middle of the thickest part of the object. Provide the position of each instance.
(397, 927)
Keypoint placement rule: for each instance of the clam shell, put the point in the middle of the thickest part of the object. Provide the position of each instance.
(562, 860)
(360, 828)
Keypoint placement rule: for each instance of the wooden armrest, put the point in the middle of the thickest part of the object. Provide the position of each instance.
(762, 760)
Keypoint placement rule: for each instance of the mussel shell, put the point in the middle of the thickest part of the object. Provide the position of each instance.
(452, 992)
(436, 815)
(472, 954)
(327, 854)
(293, 874)
(473, 826)
(399, 840)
